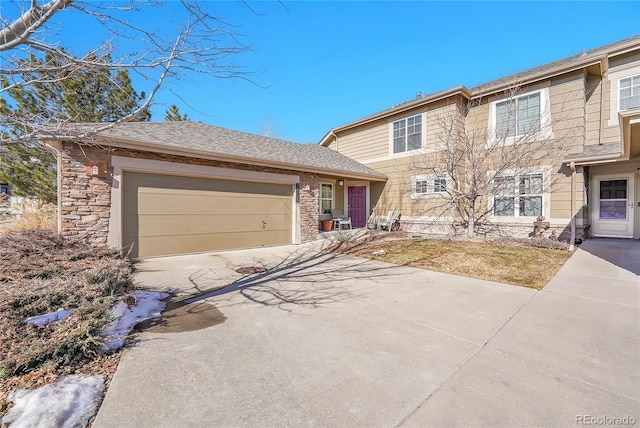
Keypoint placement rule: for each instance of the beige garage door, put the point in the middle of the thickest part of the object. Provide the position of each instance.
(164, 214)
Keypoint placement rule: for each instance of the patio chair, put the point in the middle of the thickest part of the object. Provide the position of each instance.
(392, 222)
(339, 220)
(336, 215)
(344, 221)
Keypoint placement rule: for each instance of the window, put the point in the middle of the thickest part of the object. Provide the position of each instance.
(613, 199)
(519, 116)
(439, 185)
(518, 196)
(326, 197)
(630, 92)
(429, 186)
(422, 186)
(407, 134)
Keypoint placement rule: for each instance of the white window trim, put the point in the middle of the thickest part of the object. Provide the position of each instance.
(333, 195)
(614, 90)
(545, 132)
(422, 137)
(546, 197)
(430, 194)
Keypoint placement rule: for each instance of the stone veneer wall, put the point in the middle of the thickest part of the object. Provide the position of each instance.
(491, 230)
(85, 201)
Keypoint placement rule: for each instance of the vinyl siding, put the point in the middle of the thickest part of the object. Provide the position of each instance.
(371, 143)
(396, 194)
(629, 65)
(594, 93)
(364, 144)
(567, 101)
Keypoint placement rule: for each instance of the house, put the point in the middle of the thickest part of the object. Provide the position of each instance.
(184, 187)
(587, 106)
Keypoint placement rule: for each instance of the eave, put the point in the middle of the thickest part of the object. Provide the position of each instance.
(201, 154)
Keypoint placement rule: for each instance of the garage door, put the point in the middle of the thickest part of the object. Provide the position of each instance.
(164, 214)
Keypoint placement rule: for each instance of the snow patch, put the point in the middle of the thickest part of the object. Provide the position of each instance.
(148, 305)
(42, 320)
(68, 403)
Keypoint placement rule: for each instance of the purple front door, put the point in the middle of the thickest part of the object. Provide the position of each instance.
(357, 198)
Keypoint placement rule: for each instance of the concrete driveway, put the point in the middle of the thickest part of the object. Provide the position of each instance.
(326, 340)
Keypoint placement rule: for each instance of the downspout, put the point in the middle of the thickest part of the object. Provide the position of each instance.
(572, 241)
(336, 140)
(604, 68)
(59, 190)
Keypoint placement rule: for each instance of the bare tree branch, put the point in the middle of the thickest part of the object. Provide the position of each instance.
(193, 41)
(477, 162)
(35, 17)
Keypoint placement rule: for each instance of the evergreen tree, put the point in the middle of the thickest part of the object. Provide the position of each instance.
(85, 95)
(173, 114)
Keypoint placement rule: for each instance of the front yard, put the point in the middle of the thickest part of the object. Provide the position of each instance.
(41, 273)
(511, 262)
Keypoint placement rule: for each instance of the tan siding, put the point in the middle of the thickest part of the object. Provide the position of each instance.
(396, 194)
(612, 133)
(477, 120)
(594, 88)
(567, 102)
(372, 142)
(365, 144)
(438, 118)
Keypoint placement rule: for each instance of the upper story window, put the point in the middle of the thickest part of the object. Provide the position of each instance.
(326, 197)
(518, 116)
(407, 134)
(630, 92)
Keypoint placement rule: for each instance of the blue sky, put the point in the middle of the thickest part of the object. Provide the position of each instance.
(322, 64)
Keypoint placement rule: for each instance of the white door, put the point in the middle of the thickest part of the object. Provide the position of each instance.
(613, 206)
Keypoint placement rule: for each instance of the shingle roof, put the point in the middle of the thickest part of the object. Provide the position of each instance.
(211, 140)
(610, 150)
(543, 71)
(577, 60)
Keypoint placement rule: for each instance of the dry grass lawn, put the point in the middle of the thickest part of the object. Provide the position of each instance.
(510, 264)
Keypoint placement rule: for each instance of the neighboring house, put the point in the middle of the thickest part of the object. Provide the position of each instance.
(185, 187)
(590, 102)
(5, 188)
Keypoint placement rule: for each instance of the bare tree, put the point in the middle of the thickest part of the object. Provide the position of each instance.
(474, 172)
(198, 42)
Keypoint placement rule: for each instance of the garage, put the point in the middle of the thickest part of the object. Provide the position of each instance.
(172, 214)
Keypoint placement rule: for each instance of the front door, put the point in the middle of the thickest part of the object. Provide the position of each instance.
(357, 200)
(612, 212)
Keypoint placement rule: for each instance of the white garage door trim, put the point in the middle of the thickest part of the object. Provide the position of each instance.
(121, 164)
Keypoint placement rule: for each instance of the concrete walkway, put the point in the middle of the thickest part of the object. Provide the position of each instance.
(326, 340)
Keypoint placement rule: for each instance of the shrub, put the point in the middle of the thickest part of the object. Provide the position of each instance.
(547, 243)
(41, 272)
(42, 218)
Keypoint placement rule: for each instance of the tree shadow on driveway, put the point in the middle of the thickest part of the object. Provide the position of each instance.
(308, 277)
